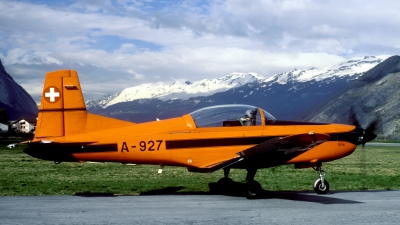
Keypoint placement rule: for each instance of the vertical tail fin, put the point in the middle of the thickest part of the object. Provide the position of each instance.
(62, 108)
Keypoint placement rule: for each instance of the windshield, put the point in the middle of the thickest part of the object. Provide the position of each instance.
(228, 115)
(269, 119)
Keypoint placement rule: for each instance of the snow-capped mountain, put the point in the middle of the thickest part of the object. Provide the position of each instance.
(284, 95)
(177, 89)
(349, 70)
(290, 95)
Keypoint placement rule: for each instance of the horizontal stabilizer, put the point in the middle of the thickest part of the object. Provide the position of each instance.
(64, 151)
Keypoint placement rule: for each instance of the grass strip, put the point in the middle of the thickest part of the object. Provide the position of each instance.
(374, 168)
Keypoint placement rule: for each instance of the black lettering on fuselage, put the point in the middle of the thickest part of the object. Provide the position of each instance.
(124, 147)
(143, 146)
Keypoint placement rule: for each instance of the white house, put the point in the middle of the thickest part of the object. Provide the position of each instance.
(24, 126)
(3, 128)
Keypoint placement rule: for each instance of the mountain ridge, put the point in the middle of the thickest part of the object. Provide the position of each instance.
(284, 99)
(373, 97)
(176, 90)
(207, 87)
(14, 98)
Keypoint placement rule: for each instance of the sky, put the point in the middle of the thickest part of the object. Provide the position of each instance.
(115, 44)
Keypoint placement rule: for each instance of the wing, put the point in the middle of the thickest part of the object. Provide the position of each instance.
(275, 151)
(285, 145)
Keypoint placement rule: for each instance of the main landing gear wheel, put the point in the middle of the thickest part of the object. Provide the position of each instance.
(321, 186)
(252, 190)
(225, 184)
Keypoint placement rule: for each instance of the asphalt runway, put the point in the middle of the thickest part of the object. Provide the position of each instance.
(383, 144)
(365, 207)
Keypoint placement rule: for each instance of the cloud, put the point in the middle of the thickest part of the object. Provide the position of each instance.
(117, 44)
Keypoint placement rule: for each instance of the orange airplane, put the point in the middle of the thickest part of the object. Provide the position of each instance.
(212, 138)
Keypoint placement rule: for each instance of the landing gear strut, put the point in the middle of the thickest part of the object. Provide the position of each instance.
(252, 188)
(225, 183)
(321, 186)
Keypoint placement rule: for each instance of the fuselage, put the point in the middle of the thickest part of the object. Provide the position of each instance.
(180, 142)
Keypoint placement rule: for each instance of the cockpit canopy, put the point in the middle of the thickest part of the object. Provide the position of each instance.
(230, 115)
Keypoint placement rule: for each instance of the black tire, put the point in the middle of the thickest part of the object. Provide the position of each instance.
(253, 190)
(318, 189)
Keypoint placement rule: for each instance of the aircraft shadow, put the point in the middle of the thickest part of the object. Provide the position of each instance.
(163, 191)
(307, 197)
(235, 189)
(91, 194)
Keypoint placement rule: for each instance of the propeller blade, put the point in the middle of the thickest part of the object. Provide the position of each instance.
(366, 135)
(373, 126)
(363, 166)
(369, 131)
(353, 118)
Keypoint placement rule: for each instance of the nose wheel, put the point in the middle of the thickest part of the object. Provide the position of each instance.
(321, 186)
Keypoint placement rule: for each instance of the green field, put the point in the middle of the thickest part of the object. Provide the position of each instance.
(377, 168)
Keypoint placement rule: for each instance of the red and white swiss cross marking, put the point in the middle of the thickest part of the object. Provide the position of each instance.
(52, 94)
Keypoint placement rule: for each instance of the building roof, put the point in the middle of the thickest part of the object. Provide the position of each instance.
(29, 120)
